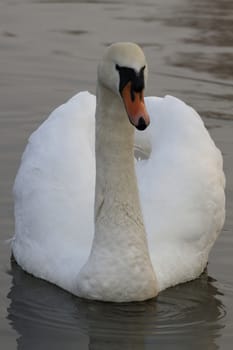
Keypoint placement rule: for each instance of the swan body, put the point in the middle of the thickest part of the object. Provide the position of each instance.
(94, 222)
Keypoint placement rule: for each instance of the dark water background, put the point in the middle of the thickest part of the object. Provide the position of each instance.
(49, 50)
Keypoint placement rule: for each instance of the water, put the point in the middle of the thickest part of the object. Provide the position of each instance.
(49, 50)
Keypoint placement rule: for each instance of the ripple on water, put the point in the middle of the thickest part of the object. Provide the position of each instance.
(183, 313)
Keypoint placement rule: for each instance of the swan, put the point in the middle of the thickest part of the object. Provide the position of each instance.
(97, 223)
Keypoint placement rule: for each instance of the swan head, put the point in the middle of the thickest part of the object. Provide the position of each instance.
(123, 70)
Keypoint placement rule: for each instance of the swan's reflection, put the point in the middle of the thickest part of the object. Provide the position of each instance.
(45, 316)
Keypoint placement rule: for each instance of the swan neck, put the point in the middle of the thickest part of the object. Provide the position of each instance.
(112, 123)
(119, 266)
(114, 150)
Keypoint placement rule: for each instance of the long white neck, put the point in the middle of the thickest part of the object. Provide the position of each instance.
(115, 173)
(119, 266)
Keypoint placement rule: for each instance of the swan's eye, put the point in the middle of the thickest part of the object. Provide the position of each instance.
(129, 74)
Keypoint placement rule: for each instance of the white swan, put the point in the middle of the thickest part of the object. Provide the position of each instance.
(181, 187)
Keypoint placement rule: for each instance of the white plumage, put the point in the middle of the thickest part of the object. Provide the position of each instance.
(181, 187)
(182, 191)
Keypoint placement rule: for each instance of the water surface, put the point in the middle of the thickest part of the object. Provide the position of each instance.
(49, 50)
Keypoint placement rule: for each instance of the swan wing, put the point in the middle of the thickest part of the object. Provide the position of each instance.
(181, 188)
(54, 194)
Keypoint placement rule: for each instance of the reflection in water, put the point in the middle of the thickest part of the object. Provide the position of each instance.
(48, 58)
(206, 62)
(212, 25)
(45, 315)
(213, 20)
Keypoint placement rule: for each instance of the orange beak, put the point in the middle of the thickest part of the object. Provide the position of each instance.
(135, 107)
